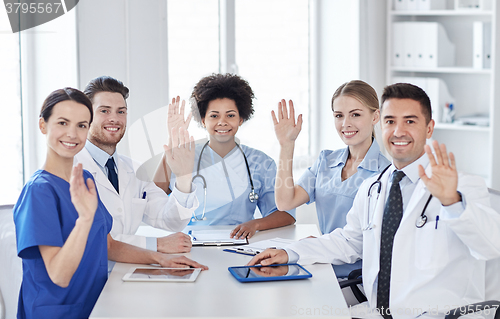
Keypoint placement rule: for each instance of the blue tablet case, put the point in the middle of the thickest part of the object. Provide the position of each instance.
(251, 277)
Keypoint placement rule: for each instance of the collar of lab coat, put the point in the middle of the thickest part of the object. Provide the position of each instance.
(125, 172)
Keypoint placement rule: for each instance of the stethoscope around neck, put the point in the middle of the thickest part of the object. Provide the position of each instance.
(252, 196)
(421, 221)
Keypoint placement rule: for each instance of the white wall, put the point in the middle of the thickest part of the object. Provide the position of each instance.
(350, 42)
(127, 40)
(336, 62)
(48, 62)
(133, 48)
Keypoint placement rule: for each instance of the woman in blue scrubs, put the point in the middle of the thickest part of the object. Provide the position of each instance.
(61, 225)
(333, 180)
(221, 103)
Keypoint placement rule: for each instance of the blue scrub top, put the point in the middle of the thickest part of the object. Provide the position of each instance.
(334, 197)
(228, 185)
(45, 215)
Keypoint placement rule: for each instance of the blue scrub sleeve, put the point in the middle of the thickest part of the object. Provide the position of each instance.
(266, 178)
(308, 180)
(37, 221)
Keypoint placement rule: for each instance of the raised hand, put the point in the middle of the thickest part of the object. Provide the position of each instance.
(83, 196)
(444, 180)
(179, 154)
(284, 125)
(176, 115)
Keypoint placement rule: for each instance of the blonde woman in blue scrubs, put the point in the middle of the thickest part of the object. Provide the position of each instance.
(333, 180)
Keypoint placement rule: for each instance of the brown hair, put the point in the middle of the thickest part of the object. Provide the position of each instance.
(361, 91)
(105, 84)
(64, 94)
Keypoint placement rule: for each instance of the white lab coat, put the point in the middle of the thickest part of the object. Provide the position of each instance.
(433, 269)
(129, 209)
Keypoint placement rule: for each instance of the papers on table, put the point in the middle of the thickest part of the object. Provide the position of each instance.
(214, 237)
(260, 246)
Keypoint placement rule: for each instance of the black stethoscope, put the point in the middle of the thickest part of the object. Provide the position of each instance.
(420, 221)
(253, 196)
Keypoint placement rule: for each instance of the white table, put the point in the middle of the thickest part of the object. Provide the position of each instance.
(217, 294)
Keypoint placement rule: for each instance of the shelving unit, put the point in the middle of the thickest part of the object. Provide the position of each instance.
(477, 148)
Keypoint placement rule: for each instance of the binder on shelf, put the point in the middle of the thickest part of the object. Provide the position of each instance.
(412, 5)
(469, 5)
(425, 5)
(481, 38)
(426, 44)
(400, 5)
(411, 32)
(420, 31)
(436, 89)
(440, 51)
(398, 43)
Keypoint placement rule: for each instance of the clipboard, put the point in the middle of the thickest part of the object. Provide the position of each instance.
(214, 238)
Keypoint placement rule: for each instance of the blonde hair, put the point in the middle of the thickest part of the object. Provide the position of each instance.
(361, 91)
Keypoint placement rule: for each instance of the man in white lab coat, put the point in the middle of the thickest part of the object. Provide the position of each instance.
(438, 253)
(130, 200)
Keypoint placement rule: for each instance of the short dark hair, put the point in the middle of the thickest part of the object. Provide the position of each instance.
(105, 84)
(408, 91)
(219, 86)
(61, 95)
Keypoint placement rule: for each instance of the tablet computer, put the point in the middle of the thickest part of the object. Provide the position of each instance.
(269, 273)
(162, 274)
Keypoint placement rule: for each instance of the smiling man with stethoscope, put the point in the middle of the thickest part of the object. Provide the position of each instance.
(423, 239)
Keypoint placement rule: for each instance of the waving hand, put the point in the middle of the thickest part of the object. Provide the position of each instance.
(444, 180)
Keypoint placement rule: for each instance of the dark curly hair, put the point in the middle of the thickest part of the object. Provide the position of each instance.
(219, 86)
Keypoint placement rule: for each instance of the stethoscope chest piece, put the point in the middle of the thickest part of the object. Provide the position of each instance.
(421, 221)
(253, 196)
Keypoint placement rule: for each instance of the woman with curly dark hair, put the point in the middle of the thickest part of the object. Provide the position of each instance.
(231, 179)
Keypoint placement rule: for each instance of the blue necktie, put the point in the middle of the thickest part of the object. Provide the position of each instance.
(113, 178)
(393, 212)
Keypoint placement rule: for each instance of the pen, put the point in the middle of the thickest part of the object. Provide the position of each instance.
(437, 219)
(144, 195)
(190, 233)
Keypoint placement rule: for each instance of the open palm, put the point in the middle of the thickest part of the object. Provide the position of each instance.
(176, 115)
(444, 179)
(83, 195)
(284, 124)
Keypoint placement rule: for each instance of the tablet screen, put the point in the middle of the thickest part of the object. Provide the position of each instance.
(162, 274)
(273, 272)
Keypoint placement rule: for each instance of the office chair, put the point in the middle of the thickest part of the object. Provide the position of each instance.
(10, 264)
(353, 280)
